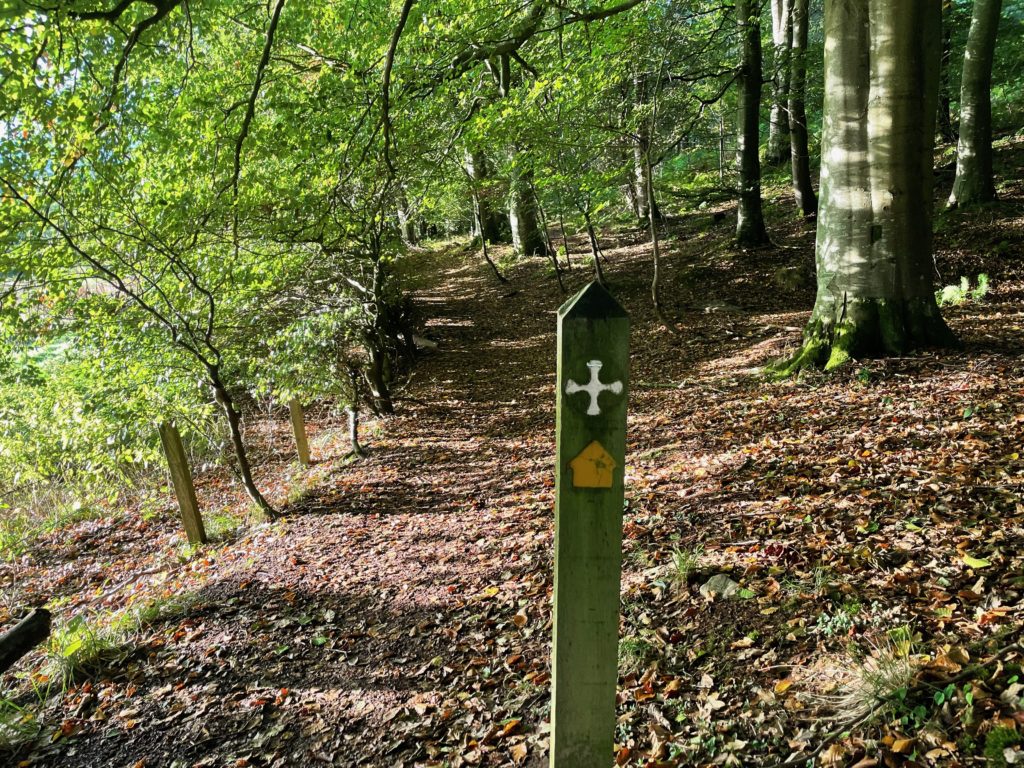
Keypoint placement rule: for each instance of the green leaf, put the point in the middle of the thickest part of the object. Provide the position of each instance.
(975, 562)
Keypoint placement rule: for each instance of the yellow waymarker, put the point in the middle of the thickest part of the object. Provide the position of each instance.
(593, 467)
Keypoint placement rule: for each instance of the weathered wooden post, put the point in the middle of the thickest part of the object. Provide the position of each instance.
(299, 430)
(593, 371)
(181, 477)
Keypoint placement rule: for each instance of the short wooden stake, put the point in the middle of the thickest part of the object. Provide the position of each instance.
(23, 637)
(181, 477)
(299, 430)
(593, 371)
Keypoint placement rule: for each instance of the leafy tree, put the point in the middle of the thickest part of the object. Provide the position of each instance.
(974, 183)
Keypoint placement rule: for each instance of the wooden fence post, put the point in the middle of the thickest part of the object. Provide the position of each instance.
(593, 371)
(299, 430)
(181, 477)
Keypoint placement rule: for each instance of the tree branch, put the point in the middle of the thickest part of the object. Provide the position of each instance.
(250, 109)
(388, 64)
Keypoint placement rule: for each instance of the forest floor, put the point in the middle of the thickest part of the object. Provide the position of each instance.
(399, 615)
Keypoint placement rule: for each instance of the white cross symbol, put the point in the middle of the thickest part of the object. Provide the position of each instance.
(594, 387)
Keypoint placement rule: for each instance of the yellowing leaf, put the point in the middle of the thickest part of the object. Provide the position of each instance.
(783, 685)
(975, 562)
(902, 746)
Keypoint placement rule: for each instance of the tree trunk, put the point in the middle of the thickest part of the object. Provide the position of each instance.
(377, 378)
(644, 203)
(353, 432)
(873, 250)
(803, 190)
(234, 418)
(750, 219)
(406, 220)
(486, 253)
(973, 183)
(778, 149)
(527, 238)
(945, 116)
(595, 249)
(376, 335)
(488, 219)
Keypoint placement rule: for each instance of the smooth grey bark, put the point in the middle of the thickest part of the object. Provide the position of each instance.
(800, 159)
(778, 149)
(974, 183)
(487, 219)
(873, 250)
(646, 205)
(353, 414)
(527, 239)
(750, 228)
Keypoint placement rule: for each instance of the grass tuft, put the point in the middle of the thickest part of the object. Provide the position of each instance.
(683, 565)
(853, 685)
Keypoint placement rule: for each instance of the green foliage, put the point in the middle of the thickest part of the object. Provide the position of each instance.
(45, 511)
(19, 725)
(954, 295)
(80, 649)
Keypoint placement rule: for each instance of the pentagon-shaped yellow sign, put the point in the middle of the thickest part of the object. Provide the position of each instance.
(593, 467)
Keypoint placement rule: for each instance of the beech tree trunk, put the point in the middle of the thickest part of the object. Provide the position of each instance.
(974, 183)
(800, 159)
(750, 228)
(527, 239)
(778, 149)
(873, 251)
(642, 185)
(488, 219)
(645, 204)
(406, 221)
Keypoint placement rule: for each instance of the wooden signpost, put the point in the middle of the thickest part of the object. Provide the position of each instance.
(299, 430)
(181, 477)
(593, 370)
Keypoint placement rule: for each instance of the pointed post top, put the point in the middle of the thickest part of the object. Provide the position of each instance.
(593, 302)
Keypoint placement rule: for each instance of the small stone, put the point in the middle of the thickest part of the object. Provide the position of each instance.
(719, 585)
(722, 307)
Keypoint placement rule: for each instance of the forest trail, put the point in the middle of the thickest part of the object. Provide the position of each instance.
(398, 615)
(393, 585)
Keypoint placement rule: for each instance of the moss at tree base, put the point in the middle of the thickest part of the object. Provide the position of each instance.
(867, 328)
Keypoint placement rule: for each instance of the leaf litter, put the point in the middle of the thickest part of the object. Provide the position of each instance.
(868, 527)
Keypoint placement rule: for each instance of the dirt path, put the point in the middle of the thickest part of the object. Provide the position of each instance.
(399, 615)
(385, 607)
